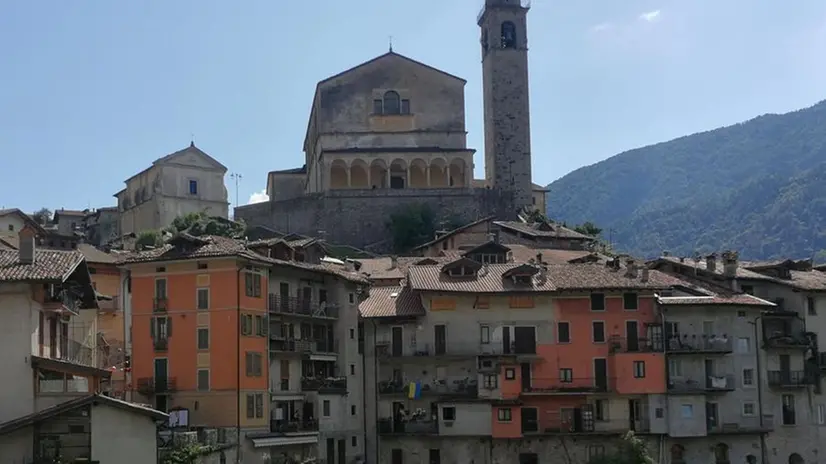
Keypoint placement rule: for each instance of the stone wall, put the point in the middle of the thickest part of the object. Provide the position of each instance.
(359, 218)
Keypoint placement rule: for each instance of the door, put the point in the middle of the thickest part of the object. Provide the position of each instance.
(530, 420)
(525, 342)
(398, 417)
(708, 368)
(506, 340)
(525, 369)
(584, 418)
(712, 416)
(306, 298)
(655, 337)
(161, 373)
(632, 335)
(284, 296)
(528, 458)
(440, 338)
(331, 450)
(342, 452)
(601, 374)
(396, 347)
(634, 413)
(785, 364)
(307, 412)
(435, 456)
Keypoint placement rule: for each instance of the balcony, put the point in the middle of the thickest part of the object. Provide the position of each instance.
(160, 305)
(328, 385)
(468, 388)
(156, 385)
(786, 340)
(699, 344)
(293, 345)
(742, 425)
(386, 350)
(60, 301)
(618, 344)
(413, 426)
(575, 386)
(282, 426)
(789, 379)
(712, 384)
(160, 344)
(295, 306)
(582, 423)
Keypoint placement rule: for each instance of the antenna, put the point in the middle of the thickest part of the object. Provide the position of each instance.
(237, 177)
(391, 43)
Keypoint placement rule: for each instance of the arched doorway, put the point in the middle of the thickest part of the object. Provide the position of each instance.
(795, 458)
(358, 174)
(338, 175)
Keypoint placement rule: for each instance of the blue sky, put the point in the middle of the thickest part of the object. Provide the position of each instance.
(92, 92)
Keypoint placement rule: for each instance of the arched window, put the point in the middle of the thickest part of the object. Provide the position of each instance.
(721, 453)
(795, 458)
(392, 103)
(508, 35)
(677, 454)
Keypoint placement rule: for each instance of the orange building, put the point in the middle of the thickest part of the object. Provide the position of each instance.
(198, 329)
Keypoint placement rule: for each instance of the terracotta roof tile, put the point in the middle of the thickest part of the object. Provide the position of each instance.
(535, 231)
(391, 301)
(812, 280)
(382, 268)
(453, 232)
(94, 255)
(741, 299)
(48, 266)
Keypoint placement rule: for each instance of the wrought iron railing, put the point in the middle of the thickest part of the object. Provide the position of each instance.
(156, 385)
(331, 384)
(569, 385)
(711, 383)
(466, 388)
(302, 306)
(789, 379)
(699, 343)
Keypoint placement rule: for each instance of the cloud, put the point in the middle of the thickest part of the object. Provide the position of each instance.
(601, 27)
(650, 16)
(259, 197)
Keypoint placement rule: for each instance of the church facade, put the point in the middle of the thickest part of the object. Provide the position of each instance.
(391, 132)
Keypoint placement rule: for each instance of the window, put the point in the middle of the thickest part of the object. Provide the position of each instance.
(510, 373)
(392, 103)
(352, 298)
(405, 106)
(260, 326)
(255, 405)
(396, 456)
(748, 377)
(377, 106)
(203, 298)
(630, 301)
(749, 408)
(11, 227)
(325, 408)
(160, 289)
(504, 414)
(484, 334)
(687, 411)
(677, 454)
(508, 35)
(744, 345)
(203, 379)
(448, 413)
(595, 452)
(788, 410)
(352, 369)
(193, 187)
(747, 289)
(563, 332)
(597, 302)
(246, 324)
(353, 410)
(352, 334)
(160, 328)
(675, 368)
(566, 375)
(203, 338)
(491, 382)
(252, 285)
(639, 369)
(253, 364)
(659, 413)
(601, 410)
(810, 305)
(598, 331)
(741, 314)
(821, 414)
(203, 266)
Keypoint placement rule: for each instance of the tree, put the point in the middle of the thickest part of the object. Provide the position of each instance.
(148, 238)
(411, 226)
(631, 450)
(42, 216)
(588, 228)
(201, 223)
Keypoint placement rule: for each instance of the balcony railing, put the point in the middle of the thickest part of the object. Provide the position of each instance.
(785, 339)
(711, 384)
(282, 426)
(156, 385)
(61, 301)
(468, 388)
(575, 422)
(292, 345)
(302, 306)
(328, 385)
(789, 379)
(160, 344)
(743, 424)
(385, 349)
(160, 304)
(699, 344)
(387, 426)
(618, 344)
(569, 386)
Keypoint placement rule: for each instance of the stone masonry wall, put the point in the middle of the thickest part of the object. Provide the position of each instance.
(359, 218)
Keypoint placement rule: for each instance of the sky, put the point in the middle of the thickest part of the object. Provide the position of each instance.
(92, 92)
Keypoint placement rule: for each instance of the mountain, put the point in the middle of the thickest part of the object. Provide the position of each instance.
(758, 187)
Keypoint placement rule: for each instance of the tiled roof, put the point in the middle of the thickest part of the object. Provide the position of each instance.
(453, 232)
(812, 280)
(533, 230)
(523, 254)
(25, 217)
(302, 242)
(94, 255)
(558, 277)
(382, 268)
(391, 301)
(734, 300)
(48, 266)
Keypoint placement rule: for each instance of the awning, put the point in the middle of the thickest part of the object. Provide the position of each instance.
(285, 440)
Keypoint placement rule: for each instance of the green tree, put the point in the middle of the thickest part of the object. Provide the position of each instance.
(42, 216)
(411, 226)
(631, 450)
(200, 223)
(588, 228)
(148, 238)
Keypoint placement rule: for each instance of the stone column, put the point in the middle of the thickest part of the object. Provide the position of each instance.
(427, 174)
(447, 175)
(348, 176)
(387, 177)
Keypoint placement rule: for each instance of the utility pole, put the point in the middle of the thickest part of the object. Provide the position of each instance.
(237, 177)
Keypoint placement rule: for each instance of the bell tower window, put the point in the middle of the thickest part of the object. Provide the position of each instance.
(508, 35)
(392, 103)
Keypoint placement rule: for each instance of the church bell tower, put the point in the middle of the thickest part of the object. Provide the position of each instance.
(504, 40)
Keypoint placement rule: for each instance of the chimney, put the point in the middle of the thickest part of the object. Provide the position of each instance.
(496, 236)
(711, 262)
(492, 237)
(394, 262)
(631, 269)
(27, 237)
(730, 262)
(539, 258)
(644, 276)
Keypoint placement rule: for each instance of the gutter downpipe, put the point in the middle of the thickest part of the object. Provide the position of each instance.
(238, 364)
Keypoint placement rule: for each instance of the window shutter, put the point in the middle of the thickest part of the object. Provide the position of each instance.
(168, 327)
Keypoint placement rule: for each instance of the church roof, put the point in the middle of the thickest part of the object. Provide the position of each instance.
(380, 57)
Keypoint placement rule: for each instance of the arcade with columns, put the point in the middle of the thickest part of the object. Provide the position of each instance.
(399, 172)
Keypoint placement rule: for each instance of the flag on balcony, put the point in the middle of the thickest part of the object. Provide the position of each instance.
(415, 390)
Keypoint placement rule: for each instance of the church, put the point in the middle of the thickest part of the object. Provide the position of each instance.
(391, 132)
